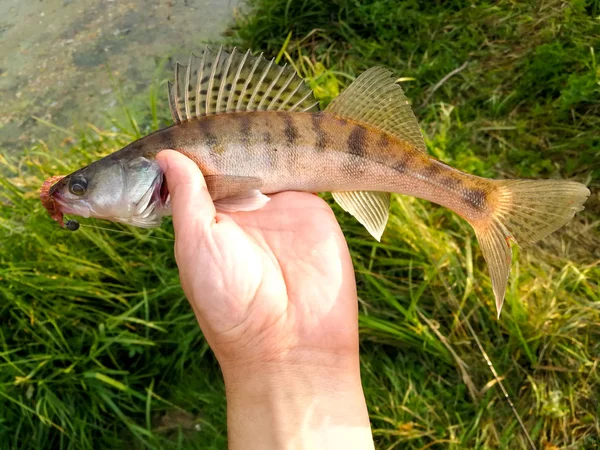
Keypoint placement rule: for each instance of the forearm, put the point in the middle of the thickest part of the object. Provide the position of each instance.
(297, 407)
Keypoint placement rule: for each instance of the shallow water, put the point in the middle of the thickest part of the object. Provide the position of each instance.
(55, 57)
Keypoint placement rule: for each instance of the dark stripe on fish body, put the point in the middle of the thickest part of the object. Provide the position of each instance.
(167, 137)
(245, 128)
(451, 182)
(432, 170)
(442, 174)
(212, 141)
(209, 138)
(321, 143)
(290, 131)
(267, 138)
(357, 141)
(383, 141)
(402, 163)
(475, 198)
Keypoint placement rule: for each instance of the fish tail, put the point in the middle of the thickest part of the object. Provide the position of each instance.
(524, 211)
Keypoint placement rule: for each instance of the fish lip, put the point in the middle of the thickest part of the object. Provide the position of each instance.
(48, 200)
(65, 208)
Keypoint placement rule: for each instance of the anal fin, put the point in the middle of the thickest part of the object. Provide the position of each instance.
(370, 208)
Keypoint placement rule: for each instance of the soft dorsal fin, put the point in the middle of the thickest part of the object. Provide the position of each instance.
(219, 82)
(376, 100)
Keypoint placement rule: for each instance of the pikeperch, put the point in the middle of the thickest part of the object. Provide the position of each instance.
(254, 128)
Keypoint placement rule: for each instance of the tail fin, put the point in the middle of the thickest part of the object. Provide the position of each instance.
(524, 211)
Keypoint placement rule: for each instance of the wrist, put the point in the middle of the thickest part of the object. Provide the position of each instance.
(296, 405)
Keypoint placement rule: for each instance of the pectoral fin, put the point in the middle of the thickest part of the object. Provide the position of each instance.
(371, 209)
(250, 201)
(233, 193)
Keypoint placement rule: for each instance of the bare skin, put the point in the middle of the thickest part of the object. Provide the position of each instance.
(275, 295)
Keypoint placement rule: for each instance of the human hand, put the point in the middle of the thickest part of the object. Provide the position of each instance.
(275, 295)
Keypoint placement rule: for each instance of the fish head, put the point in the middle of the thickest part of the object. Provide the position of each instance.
(127, 190)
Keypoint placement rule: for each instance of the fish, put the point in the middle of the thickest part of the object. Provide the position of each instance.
(254, 128)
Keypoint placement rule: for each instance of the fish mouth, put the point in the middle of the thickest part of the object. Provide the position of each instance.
(47, 199)
(56, 205)
(80, 208)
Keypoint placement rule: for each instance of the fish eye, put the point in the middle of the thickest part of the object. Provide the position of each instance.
(78, 187)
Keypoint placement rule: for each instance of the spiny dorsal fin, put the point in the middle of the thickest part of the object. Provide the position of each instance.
(219, 82)
(173, 103)
(371, 209)
(375, 99)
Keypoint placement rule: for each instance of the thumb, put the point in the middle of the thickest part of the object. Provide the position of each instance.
(190, 199)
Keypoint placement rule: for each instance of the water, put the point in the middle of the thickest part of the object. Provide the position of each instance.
(55, 56)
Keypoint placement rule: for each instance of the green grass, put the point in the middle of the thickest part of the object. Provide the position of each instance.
(99, 349)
